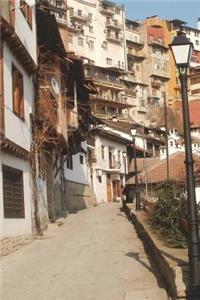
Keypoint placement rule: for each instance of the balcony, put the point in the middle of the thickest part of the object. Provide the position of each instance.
(114, 38)
(142, 109)
(79, 17)
(105, 80)
(135, 40)
(156, 84)
(58, 5)
(160, 72)
(72, 26)
(107, 10)
(61, 21)
(120, 102)
(157, 43)
(134, 54)
(113, 24)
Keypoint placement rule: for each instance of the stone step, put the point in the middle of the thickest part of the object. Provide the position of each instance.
(147, 294)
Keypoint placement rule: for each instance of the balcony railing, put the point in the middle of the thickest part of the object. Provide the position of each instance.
(79, 16)
(114, 38)
(104, 78)
(114, 24)
(107, 10)
(74, 27)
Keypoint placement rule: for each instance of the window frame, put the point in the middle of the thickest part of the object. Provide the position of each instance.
(19, 112)
(17, 207)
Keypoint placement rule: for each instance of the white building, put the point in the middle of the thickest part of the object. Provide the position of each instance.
(109, 163)
(18, 62)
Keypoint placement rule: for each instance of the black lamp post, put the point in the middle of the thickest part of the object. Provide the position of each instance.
(182, 49)
(137, 190)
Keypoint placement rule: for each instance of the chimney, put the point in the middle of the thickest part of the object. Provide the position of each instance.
(198, 23)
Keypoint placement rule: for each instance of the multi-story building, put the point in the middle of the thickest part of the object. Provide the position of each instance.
(134, 81)
(193, 34)
(157, 63)
(18, 62)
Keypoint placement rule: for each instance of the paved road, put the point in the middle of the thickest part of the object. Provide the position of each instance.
(95, 255)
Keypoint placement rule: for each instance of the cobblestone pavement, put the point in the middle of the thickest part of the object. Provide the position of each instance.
(95, 255)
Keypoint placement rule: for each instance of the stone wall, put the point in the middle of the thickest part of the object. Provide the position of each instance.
(173, 270)
(78, 196)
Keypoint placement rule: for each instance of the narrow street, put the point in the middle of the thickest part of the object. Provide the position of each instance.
(95, 255)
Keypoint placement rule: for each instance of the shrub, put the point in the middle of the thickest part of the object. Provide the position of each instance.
(169, 211)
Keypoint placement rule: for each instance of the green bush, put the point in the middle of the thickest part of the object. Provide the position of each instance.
(169, 212)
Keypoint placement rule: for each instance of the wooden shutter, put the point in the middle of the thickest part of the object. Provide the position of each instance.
(29, 15)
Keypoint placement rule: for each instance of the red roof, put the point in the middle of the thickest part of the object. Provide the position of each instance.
(158, 171)
(194, 106)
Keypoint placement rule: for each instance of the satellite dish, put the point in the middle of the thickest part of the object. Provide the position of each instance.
(55, 86)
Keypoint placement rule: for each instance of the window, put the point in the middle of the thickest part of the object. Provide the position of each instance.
(81, 159)
(80, 42)
(91, 29)
(70, 162)
(91, 45)
(197, 42)
(109, 61)
(70, 39)
(79, 12)
(99, 179)
(27, 12)
(103, 152)
(90, 16)
(13, 193)
(18, 92)
(119, 156)
(171, 143)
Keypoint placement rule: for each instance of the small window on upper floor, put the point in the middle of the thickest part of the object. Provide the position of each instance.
(70, 162)
(18, 92)
(90, 16)
(27, 12)
(81, 159)
(91, 29)
(79, 12)
(80, 41)
(91, 45)
(109, 61)
(197, 42)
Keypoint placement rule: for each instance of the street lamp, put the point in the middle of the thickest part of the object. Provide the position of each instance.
(137, 191)
(182, 49)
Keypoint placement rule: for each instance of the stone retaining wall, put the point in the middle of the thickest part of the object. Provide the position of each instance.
(173, 274)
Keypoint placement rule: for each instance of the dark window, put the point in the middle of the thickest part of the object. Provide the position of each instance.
(70, 162)
(27, 12)
(13, 193)
(18, 92)
(102, 152)
(81, 159)
(99, 179)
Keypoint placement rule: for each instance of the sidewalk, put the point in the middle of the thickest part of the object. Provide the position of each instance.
(95, 255)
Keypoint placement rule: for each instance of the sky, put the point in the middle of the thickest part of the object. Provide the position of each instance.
(185, 10)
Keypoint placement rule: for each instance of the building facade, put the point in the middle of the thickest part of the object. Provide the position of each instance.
(18, 65)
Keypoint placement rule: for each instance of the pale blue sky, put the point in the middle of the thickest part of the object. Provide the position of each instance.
(188, 11)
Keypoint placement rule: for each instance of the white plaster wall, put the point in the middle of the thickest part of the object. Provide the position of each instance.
(100, 188)
(26, 34)
(17, 130)
(14, 227)
(115, 51)
(79, 173)
(197, 189)
(103, 164)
